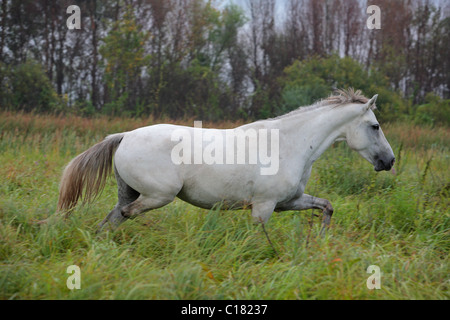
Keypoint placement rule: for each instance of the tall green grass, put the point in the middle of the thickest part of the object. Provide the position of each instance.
(399, 222)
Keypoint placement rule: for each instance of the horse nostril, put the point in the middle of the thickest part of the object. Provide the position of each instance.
(392, 162)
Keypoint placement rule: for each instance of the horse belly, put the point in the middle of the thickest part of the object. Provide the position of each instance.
(206, 186)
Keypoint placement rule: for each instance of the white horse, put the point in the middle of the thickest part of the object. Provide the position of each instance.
(148, 178)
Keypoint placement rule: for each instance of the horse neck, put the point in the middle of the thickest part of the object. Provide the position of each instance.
(313, 131)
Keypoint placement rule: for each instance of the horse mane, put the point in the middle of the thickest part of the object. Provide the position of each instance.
(339, 98)
(343, 96)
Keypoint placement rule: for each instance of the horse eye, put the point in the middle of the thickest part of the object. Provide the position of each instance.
(376, 126)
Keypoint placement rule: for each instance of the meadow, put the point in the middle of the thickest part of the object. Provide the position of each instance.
(396, 220)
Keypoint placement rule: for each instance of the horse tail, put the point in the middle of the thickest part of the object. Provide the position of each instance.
(88, 171)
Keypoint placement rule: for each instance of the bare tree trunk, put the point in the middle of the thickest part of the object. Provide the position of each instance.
(60, 63)
(3, 24)
(93, 17)
(316, 13)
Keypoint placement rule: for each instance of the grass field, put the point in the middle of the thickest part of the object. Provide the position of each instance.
(399, 222)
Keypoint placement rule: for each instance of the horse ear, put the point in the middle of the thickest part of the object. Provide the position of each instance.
(371, 102)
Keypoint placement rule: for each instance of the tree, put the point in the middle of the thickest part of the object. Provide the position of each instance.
(26, 87)
(125, 58)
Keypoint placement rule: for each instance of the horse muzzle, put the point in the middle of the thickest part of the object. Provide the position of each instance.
(384, 164)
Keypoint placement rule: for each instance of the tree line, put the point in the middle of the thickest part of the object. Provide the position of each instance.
(215, 60)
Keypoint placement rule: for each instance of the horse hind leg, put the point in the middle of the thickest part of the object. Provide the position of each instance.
(132, 203)
(126, 195)
(114, 219)
(145, 203)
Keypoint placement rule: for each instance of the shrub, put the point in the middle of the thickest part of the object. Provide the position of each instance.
(435, 111)
(26, 87)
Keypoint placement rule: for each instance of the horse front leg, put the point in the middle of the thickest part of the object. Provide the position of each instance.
(309, 202)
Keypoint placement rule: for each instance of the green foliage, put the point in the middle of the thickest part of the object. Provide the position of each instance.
(185, 83)
(225, 34)
(435, 111)
(190, 91)
(195, 87)
(305, 82)
(124, 54)
(27, 87)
